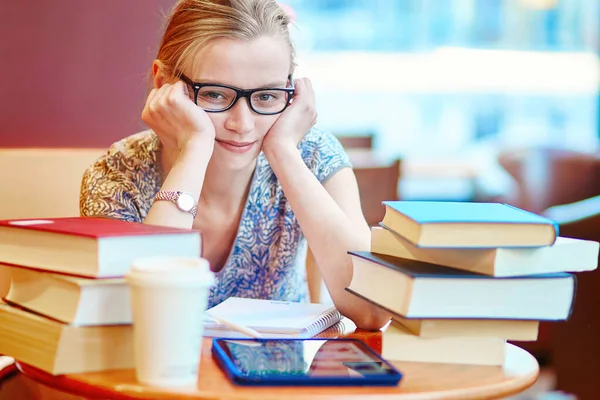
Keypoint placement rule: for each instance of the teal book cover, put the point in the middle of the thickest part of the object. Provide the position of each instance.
(426, 212)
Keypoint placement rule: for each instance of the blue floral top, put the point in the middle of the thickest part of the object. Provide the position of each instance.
(268, 254)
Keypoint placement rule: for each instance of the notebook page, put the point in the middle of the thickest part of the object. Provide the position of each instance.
(276, 316)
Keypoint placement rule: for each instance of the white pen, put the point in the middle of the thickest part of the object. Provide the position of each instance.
(236, 327)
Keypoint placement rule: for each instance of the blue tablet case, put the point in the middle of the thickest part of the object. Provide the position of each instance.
(233, 356)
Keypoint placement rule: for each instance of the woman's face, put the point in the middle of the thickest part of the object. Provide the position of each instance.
(261, 63)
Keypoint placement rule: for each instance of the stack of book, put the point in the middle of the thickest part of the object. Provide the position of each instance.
(68, 309)
(462, 278)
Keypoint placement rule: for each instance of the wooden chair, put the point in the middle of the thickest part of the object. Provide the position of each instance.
(565, 186)
(42, 183)
(377, 181)
(548, 176)
(361, 141)
(359, 148)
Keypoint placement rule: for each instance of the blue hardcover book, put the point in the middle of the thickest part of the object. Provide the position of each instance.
(468, 225)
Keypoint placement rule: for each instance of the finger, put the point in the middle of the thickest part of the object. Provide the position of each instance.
(304, 101)
(178, 89)
(183, 92)
(182, 101)
(173, 95)
(298, 91)
(148, 107)
(161, 101)
(309, 91)
(298, 85)
(185, 89)
(154, 103)
(157, 94)
(162, 93)
(308, 84)
(304, 91)
(151, 96)
(178, 96)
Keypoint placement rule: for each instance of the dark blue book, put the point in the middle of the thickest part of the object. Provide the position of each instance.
(416, 289)
(441, 224)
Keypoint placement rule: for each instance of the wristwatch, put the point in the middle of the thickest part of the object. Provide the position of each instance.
(183, 200)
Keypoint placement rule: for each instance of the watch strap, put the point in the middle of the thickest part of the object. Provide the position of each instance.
(172, 196)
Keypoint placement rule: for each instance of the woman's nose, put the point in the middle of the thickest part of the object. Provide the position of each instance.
(240, 118)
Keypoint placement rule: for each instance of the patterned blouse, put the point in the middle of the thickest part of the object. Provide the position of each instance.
(267, 260)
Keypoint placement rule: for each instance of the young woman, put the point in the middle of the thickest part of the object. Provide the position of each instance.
(232, 151)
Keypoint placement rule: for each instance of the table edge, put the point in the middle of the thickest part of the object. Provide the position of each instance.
(90, 391)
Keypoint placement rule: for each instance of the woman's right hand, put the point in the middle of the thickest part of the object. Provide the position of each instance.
(175, 118)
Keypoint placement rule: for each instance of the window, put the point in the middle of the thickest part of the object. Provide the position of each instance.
(523, 71)
(447, 78)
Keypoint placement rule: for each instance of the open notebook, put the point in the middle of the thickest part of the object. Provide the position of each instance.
(272, 319)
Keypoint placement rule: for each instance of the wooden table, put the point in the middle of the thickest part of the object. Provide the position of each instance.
(420, 381)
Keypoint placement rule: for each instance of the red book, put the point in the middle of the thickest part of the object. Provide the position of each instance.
(91, 247)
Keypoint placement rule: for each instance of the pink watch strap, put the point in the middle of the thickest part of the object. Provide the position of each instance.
(172, 196)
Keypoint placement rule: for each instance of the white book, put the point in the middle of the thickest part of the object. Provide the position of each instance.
(59, 348)
(272, 318)
(69, 299)
(400, 344)
(416, 289)
(565, 255)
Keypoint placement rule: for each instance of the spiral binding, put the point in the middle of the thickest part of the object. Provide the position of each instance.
(323, 321)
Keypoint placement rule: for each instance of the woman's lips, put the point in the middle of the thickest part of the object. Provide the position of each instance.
(235, 147)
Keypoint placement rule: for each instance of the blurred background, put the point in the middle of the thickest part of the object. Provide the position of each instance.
(473, 100)
(446, 85)
(454, 80)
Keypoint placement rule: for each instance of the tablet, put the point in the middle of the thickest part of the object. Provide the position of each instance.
(303, 362)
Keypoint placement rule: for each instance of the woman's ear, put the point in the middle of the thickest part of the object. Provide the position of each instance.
(159, 74)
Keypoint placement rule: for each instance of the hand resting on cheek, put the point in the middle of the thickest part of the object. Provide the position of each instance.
(176, 120)
(295, 121)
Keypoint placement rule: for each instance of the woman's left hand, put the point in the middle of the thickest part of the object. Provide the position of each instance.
(295, 121)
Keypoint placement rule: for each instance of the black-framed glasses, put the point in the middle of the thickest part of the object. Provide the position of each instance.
(214, 97)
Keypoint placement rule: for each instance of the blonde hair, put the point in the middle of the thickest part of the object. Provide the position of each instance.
(193, 23)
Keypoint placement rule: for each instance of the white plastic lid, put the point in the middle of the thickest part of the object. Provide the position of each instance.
(169, 271)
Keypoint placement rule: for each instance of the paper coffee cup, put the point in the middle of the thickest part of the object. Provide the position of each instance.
(169, 296)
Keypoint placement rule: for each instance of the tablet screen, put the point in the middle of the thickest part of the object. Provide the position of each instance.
(308, 358)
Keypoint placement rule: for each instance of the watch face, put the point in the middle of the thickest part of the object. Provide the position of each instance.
(185, 202)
